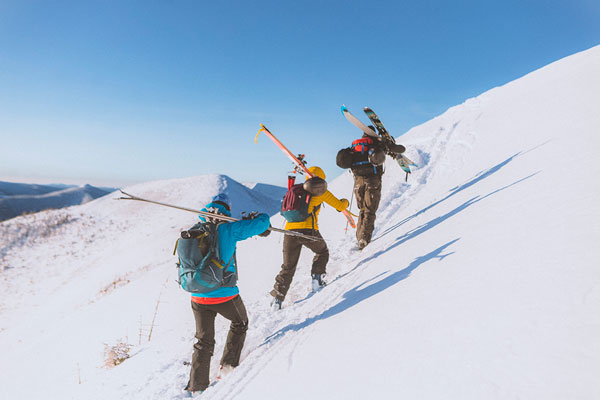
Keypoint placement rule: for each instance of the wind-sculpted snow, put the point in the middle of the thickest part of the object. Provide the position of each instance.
(480, 281)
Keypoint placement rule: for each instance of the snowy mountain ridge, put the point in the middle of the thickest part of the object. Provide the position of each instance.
(480, 281)
(17, 199)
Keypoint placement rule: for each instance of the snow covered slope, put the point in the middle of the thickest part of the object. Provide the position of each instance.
(64, 272)
(481, 281)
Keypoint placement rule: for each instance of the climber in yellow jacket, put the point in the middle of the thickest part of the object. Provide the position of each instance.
(292, 245)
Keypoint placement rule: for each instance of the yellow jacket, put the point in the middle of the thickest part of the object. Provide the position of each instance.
(316, 201)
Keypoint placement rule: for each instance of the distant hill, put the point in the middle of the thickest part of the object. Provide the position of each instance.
(19, 198)
(19, 189)
(275, 192)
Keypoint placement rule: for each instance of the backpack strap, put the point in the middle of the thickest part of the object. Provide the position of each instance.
(362, 145)
(314, 217)
(229, 263)
(214, 227)
(237, 270)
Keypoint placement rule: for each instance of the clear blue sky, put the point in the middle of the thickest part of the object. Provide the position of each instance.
(117, 92)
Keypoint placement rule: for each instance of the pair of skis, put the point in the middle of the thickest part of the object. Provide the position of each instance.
(301, 164)
(392, 149)
(207, 214)
(300, 167)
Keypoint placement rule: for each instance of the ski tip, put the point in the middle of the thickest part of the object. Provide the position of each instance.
(367, 109)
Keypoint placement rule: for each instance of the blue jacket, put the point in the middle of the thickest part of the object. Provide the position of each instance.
(229, 234)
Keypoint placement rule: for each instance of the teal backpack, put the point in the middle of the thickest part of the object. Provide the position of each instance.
(200, 267)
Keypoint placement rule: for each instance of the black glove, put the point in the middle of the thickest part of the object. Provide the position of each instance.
(396, 148)
(265, 233)
(376, 156)
(344, 158)
(250, 215)
(192, 233)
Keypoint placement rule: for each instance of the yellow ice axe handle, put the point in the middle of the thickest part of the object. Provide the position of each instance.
(262, 128)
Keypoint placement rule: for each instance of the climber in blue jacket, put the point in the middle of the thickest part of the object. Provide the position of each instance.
(225, 300)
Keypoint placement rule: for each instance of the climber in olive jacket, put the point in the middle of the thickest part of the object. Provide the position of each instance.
(292, 245)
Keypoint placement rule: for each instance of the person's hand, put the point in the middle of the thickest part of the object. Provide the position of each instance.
(345, 202)
(376, 157)
(250, 215)
(265, 233)
(191, 233)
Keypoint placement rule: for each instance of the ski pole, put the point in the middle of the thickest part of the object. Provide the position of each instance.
(350, 206)
(299, 163)
(212, 215)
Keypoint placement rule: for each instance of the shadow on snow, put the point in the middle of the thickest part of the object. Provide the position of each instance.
(436, 221)
(429, 225)
(362, 292)
(479, 177)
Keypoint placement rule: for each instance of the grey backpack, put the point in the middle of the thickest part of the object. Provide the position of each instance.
(200, 267)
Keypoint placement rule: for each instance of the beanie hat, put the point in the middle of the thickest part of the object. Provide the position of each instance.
(316, 171)
(222, 199)
(219, 202)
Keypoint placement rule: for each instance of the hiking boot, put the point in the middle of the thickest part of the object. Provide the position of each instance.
(362, 243)
(191, 393)
(318, 282)
(224, 371)
(276, 304)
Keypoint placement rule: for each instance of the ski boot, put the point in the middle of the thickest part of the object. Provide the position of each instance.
(362, 243)
(224, 371)
(318, 282)
(190, 394)
(276, 304)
